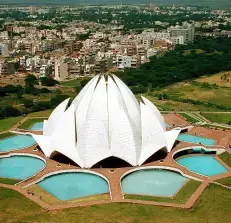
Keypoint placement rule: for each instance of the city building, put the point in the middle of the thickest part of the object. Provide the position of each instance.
(3, 67)
(45, 70)
(61, 71)
(4, 51)
(186, 30)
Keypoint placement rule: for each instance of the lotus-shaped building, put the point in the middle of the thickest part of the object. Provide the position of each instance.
(105, 120)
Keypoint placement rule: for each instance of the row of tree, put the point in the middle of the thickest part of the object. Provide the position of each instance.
(204, 56)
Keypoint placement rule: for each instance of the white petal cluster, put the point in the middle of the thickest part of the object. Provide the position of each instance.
(105, 120)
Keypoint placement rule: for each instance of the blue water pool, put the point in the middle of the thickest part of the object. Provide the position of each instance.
(20, 167)
(68, 186)
(166, 124)
(205, 165)
(196, 139)
(38, 126)
(153, 182)
(16, 142)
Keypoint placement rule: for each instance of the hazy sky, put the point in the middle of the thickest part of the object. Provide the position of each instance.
(212, 3)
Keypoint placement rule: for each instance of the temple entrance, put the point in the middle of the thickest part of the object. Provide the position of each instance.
(111, 162)
(62, 159)
(160, 155)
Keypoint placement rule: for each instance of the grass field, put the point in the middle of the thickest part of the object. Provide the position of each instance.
(71, 83)
(5, 135)
(225, 181)
(181, 197)
(45, 113)
(170, 105)
(8, 181)
(224, 118)
(211, 79)
(212, 207)
(196, 90)
(215, 126)
(189, 118)
(226, 157)
(6, 124)
(29, 122)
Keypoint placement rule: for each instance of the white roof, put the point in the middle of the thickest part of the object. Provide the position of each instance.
(105, 120)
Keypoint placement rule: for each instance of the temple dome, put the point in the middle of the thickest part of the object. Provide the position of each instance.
(105, 120)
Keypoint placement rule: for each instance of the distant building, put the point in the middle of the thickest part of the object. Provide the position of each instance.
(45, 70)
(4, 50)
(32, 9)
(123, 62)
(3, 67)
(61, 71)
(187, 31)
(177, 40)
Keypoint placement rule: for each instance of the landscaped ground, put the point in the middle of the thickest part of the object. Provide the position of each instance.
(29, 122)
(5, 135)
(226, 157)
(8, 181)
(217, 78)
(170, 105)
(45, 113)
(213, 206)
(189, 118)
(218, 117)
(208, 89)
(225, 181)
(7, 123)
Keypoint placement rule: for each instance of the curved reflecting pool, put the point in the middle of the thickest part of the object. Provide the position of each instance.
(153, 182)
(38, 126)
(196, 139)
(68, 186)
(16, 142)
(20, 167)
(202, 164)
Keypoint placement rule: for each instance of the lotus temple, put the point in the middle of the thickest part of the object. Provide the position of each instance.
(105, 146)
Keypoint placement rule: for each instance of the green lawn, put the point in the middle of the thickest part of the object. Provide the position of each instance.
(29, 122)
(71, 83)
(226, 157)
(8, 181)
(6, 124)
(190, 90)
(212, 207)
(183, 195)
(189, 118)
(5, 135)
(225, 181)
(170, 105)
(45, 113)
(215, 126)
(224, 118)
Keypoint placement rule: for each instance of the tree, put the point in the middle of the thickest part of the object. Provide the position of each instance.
(28, 103)
(78, 87)
(84, 81)
(9, 111)
(30, 80)
(41, 105)
(57, 99)
(19, 94)
(45, 81)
